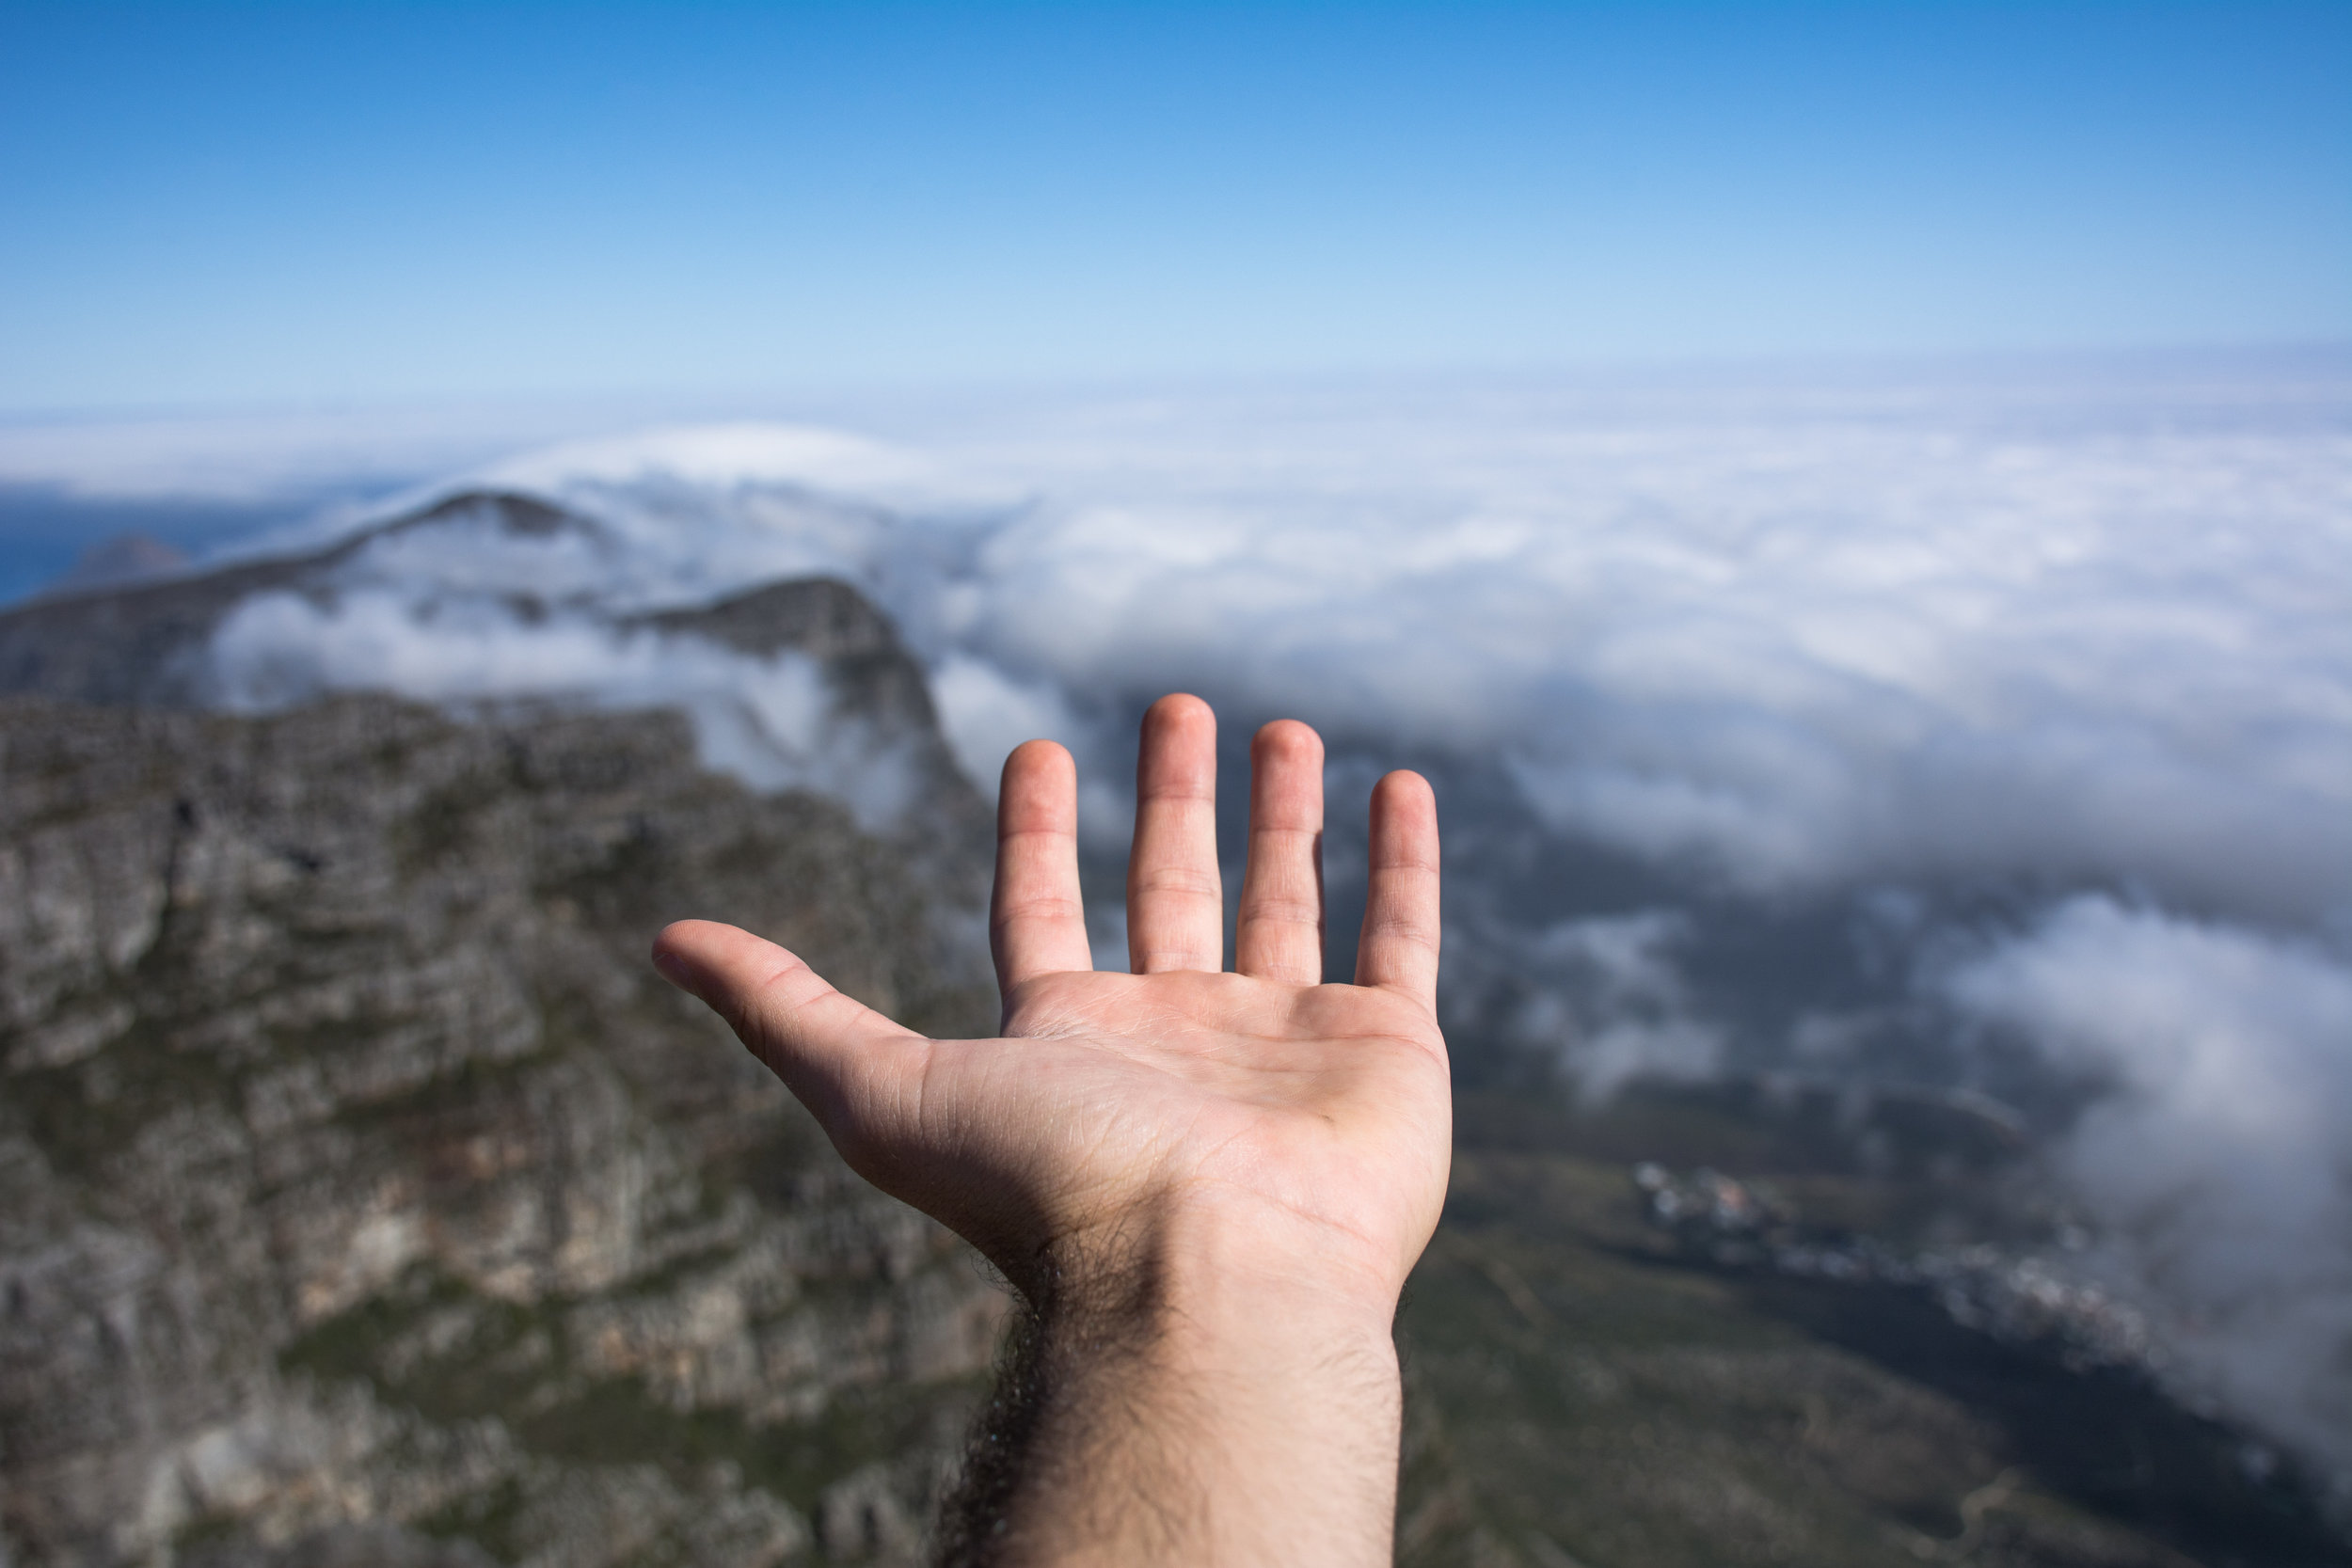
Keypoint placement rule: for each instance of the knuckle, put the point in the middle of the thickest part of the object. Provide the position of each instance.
(1043, 907)
(1179, 880)
(1411, 932)
(1282, 912)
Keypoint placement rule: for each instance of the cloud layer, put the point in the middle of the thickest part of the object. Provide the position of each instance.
(1798, 635)
(2082, 638)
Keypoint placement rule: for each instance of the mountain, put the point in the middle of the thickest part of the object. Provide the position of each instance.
(367, 1202)
(145, 642)
(496, 597)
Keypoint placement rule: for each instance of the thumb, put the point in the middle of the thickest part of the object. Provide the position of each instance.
(846, 1062)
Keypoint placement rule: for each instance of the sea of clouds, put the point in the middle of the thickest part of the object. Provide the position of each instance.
(1989, 727)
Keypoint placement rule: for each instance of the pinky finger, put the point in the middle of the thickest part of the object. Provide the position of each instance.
(1398, 950)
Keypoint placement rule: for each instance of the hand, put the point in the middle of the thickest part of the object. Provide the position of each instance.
(1210, 1186)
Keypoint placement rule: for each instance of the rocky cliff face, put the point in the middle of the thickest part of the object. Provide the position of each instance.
(364, 1196)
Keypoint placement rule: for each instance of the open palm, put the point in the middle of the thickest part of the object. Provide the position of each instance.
(1312, 1121)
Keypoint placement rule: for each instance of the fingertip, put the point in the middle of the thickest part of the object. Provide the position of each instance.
(686, 935)
(1176, 749)
(671, 945)
(1180, 707)
(675, 969)
(1037, 758)
(1405, 802)
(1179, 732)
(1039, 792)
(1406, 782)
(675, 952)
(1286, 741)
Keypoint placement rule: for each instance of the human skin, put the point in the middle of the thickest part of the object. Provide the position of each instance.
(1208, 1186)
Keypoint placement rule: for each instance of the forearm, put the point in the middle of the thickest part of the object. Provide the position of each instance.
(1198, 1396)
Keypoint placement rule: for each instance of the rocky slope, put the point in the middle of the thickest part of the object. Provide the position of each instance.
(361, 1187)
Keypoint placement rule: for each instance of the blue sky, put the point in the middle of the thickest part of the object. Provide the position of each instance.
(212, 205)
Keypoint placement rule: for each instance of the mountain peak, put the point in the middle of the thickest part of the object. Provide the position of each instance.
(509, 512)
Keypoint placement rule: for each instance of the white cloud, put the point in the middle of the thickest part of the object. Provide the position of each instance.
(2219, 1162)
(767, 721)
(987, 713)
(1802, 635)
(1616, 1006)
(1815, 638)
(741, 453)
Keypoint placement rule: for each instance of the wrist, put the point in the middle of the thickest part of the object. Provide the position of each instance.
(1235, 1370)
(1182, 1254)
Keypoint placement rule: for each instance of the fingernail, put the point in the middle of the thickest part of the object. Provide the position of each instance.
(675, 970)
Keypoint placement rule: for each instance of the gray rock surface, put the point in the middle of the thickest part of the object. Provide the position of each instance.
(366, 1199)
